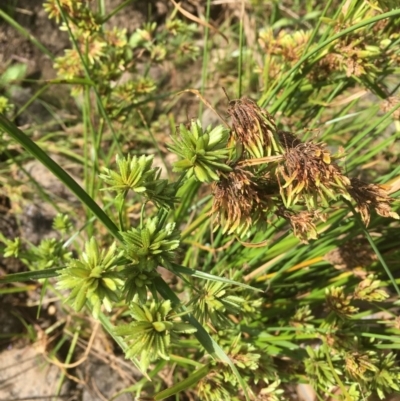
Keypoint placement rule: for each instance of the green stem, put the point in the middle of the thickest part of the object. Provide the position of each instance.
(373, 246)
(369, 129)
(121, 209)
(115, 11)
(336, 376)
(240, 61)
(68, 360)
(197, 223)
(205, 57)
(101, 7)
(316, 29)
(31, 100)
(30, 275)
(185, 384)
(87, 75)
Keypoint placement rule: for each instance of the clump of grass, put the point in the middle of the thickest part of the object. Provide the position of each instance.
(254, 218)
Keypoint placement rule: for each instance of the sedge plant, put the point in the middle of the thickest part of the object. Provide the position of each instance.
(263, 260)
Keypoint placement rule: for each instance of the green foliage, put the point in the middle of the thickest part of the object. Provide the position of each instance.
(5, 106)
(202, 152)
(62, 223)
(151, 245)
(315, 306)
(137, 175)
(92, 278)
(149, 335)
(12, 247)
(213, 302)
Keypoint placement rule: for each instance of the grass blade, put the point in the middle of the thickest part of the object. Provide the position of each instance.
(59, 172)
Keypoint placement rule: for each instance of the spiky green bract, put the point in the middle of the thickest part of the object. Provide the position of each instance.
(149, 336)
(62, 223)
(202, 152)
(12, 247)
(151, 245)
(213, 302)
(92, 278)
(49, 253)
(214, 388)
(133, 173)
(136, 174)
(318, 368)
(161, 192)
(138, 282)
(253, 364)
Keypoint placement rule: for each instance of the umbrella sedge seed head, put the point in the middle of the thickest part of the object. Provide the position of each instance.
(236, 202)
(369, 196)
(253, 127)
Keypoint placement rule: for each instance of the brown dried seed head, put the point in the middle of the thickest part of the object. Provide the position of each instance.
(235, 201)
(308, 171)
(369, 196)
(302, 223)
(389, 104)
(253, 127)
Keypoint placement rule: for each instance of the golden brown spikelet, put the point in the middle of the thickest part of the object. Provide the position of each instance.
(369, 196)
(252, 126)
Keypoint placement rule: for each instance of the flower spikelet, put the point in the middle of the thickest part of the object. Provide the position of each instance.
(302, 222)
(214, 302)
(236, 202)
(136, 174)
(92, 278)
(149, 335)
(369, 196)
(339, 303)
(309, 173)
(133, 173)
(253, 127)
(202, 153)
(152, 244)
